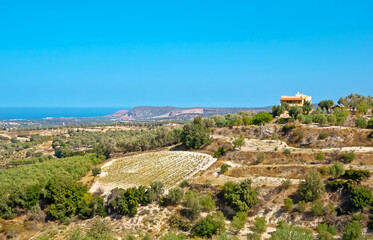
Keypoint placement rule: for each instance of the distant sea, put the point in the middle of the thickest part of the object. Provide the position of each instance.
(38, 113)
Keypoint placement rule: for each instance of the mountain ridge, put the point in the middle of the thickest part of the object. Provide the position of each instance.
(176, 113)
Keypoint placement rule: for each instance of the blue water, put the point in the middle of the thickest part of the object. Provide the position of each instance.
(37, 113)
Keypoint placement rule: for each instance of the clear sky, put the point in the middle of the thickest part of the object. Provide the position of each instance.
(182, 53)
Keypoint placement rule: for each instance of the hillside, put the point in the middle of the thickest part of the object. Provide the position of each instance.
(175, 113)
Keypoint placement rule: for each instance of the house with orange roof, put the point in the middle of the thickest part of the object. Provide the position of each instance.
(298, 100)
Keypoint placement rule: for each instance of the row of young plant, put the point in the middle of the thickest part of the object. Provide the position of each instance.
(50, 186)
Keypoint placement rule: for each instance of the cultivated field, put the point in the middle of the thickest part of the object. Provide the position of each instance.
(166, 166)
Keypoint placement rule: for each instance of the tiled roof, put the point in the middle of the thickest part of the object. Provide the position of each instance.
(291, 99)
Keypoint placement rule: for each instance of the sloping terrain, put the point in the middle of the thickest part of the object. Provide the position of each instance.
(166, 166)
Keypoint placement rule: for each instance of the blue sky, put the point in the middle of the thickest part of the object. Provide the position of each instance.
(182, 53)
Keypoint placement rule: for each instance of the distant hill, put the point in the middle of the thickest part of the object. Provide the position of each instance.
(174, 113)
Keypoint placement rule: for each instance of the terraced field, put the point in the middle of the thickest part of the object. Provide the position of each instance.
(166, 166)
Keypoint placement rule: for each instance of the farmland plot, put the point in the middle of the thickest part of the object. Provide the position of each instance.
(168, 167)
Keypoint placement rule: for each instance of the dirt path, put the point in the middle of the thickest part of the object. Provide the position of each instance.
(273, 145)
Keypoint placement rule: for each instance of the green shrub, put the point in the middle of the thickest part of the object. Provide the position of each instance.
(317, 208)
(100, 229)
(239, 142)
(319, 156)
(288, 204)
(323, 171)
(225, 236)
(356, 175)
(240, 196)
(260, 225)
(370, 123)
(261, 117)
(125, 202)
(288, 128)
(352, 231)
(296, 136)
(337, 184)
(330, 208)
(294, 111)
(360, 197)
(284, 231)
(285, 184)
(96, 171)
(281, 121)
(146, 237)
(210, 225)
(224, 168)
(179, 222)
(312, 188)
(326, 232)
(195, 134)
(361, 123)
(321, 119)
(155, 191)
(207, 203)
(192, 207)
(173, 236)
(336, 170)
(286, 152)
(259, 158)
(331, 119)
(301, 207)
(323, 136)
(184, 183)
(220, 152)
(348, 157)
(175, 195)
(239, 221)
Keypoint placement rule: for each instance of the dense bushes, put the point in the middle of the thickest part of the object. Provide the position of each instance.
(240, 196)
(223, 168)
(348, 157)
(361, 123)
(195, 134)
(66, 197)
(284, 231)
(360, 197)
(326, 232)
(179, 222)
(352, 231)
(294, 111)
(239, 221)
(356, 175)
(26, 161)
(262, 117)
(192, 207)
(96, 171)
(210, 225)
(120, 141)
(125, 202)
(336, 170)
(220, 152)
(174, 196)
(20, 186)
(312, 188)
(323, 136)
